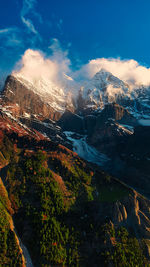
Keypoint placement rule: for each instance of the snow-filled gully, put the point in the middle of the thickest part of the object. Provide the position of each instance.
(84, 150)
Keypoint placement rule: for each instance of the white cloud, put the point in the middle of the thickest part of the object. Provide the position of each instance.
(56, 68)
(35, 65)
(60, 56)
(28, 8)
(129, 71)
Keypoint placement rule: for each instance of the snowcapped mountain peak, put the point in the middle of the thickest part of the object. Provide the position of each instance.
(57, 96)
(104, 88)
(102, 72)
(104, 77)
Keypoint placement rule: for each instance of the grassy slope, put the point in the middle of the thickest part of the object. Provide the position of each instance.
(56, 198)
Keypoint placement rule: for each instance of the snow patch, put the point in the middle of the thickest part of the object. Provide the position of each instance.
(84, 150)
(27, 115)
(126, 128)
(11, 92)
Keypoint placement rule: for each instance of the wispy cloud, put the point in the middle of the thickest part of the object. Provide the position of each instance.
(6, 30)
(29, 25)
(28, 9)
(10, 37)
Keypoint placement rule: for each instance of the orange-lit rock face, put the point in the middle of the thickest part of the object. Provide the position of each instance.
(23, 100)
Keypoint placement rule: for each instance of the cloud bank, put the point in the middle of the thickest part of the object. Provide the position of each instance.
(35, 66)
(56, 68)
(129, 71)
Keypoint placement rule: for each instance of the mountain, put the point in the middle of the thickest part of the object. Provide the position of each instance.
(22, 104)
(44, 100)
(105, 88)
(102, 118)
(74, 187)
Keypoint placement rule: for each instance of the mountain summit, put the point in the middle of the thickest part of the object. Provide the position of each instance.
(105, 88)
(40, 98)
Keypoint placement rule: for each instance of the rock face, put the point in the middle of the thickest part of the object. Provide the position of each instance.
(48, 128)
(116, 113)
(90, 123)
(106, 137)
(28, 101)
(111, 124)
(134, 154)
(104, 129)
(132, 212)
(71, 122)
(139, 142)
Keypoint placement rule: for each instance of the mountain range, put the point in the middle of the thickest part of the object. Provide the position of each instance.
(104, 88)
(75, 172)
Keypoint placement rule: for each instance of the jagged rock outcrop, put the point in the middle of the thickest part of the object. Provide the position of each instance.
(131, 211)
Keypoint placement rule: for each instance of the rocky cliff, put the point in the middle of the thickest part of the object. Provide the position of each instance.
(27, 101)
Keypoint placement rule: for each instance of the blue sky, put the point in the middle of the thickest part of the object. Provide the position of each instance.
(87, 29)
